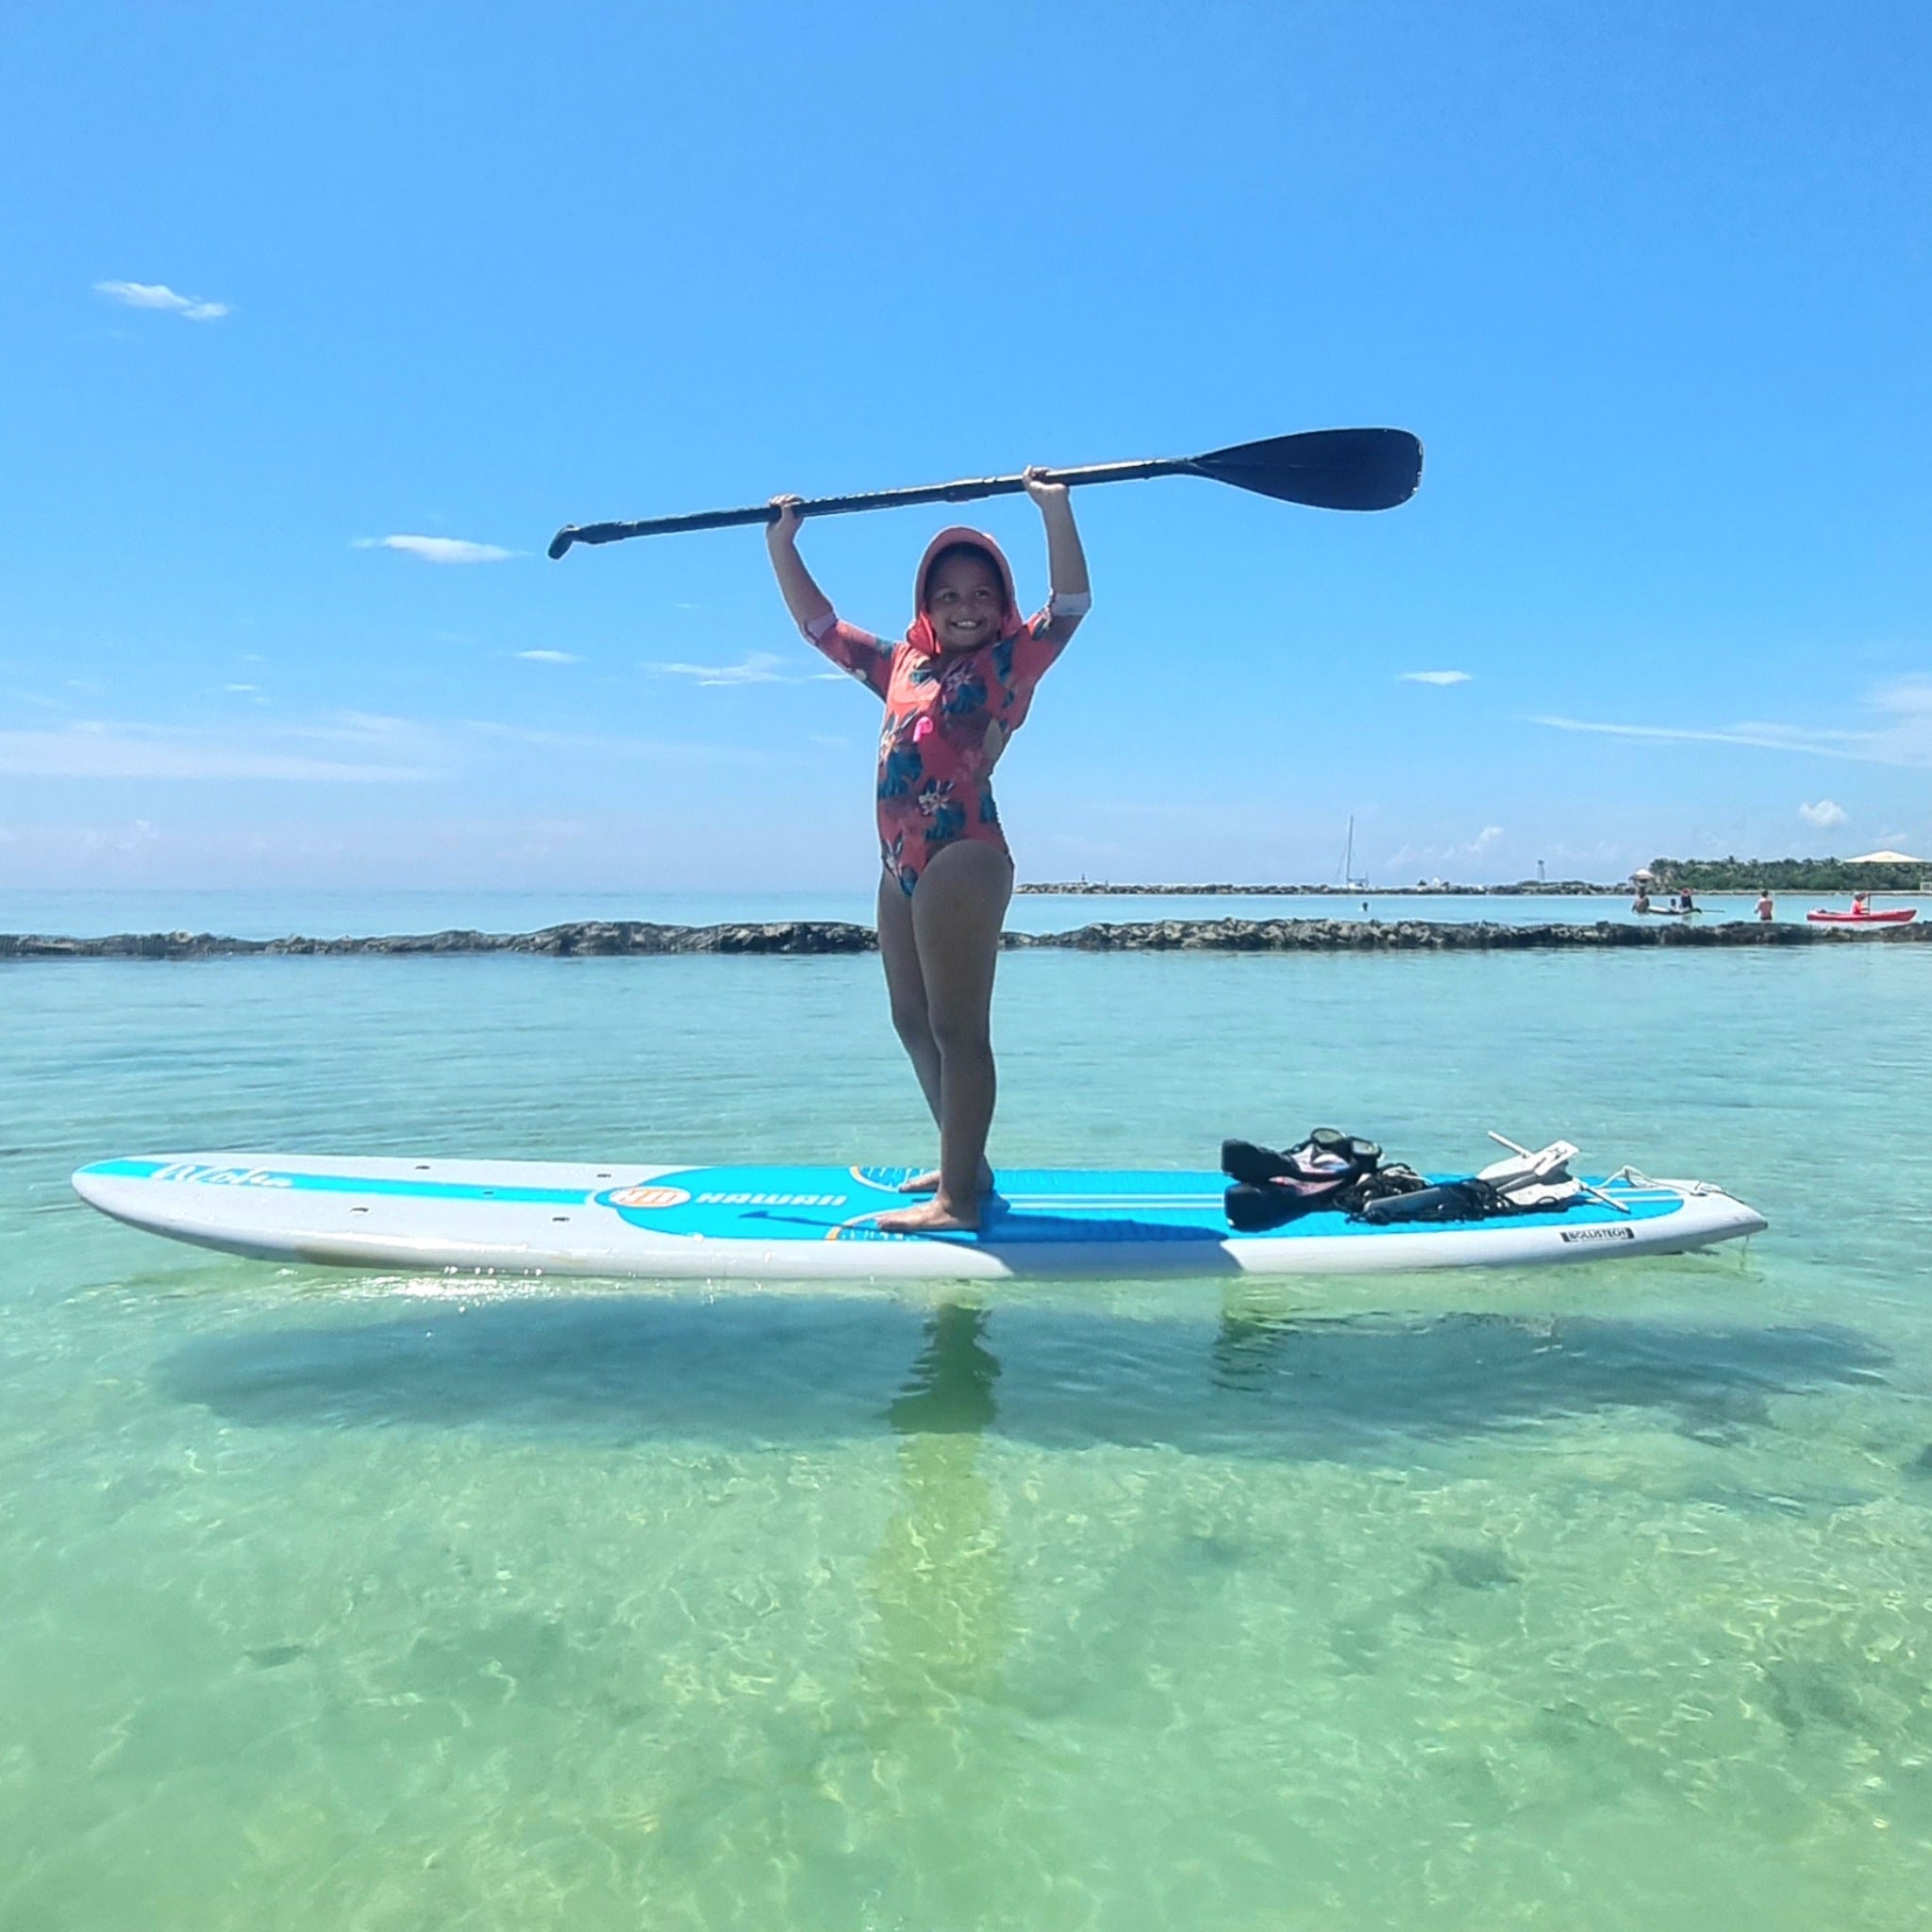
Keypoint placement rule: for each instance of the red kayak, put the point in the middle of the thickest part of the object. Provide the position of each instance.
(1903, 916)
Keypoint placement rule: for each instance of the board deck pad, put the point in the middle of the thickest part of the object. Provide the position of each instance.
(820, 1222)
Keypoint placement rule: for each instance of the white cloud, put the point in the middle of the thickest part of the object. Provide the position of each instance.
(437, 549)
(1824, 814)
(760, 667)
(138, 751)
(240, 687)
(656, 750)
(15, 696)
(1762, 737)
(159, 295)
(336, 748)
(1434, 677)
(1901, 733)
(361, 727)
(1409, 855)
(549, 658)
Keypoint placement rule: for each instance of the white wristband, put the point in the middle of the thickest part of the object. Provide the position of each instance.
(1070, 603)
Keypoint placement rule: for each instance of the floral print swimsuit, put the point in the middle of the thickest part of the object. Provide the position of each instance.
(935, 781)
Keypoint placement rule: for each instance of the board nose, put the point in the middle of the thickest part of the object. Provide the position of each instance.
(90, 1183)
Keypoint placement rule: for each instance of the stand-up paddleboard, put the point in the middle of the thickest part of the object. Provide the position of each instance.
(820, 1222)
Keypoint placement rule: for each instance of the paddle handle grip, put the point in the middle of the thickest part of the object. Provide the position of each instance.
(967, 489)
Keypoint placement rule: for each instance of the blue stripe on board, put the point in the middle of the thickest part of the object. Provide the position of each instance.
(1033, 1206)
(279, 1180)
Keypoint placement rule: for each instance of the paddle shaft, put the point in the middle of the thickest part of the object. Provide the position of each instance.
(1326, 468)
(967, 491)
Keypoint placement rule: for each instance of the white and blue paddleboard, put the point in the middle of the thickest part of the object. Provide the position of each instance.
(820, 1222)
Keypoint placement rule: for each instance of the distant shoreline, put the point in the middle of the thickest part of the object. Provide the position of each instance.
(1554, 888)
(631, 938)
(1528, 889)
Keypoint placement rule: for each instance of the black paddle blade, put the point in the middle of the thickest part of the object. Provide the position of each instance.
(1329, 469)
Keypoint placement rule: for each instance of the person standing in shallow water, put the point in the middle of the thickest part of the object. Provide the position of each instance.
(956, 689)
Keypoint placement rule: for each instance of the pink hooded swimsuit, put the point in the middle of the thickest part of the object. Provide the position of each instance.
(935, 780)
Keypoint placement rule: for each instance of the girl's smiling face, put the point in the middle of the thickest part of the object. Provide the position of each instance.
(965, 600)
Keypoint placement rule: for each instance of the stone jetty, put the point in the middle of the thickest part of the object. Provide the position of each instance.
(635, 939)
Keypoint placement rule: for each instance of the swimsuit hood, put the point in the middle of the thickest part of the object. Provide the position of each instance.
(921, 633)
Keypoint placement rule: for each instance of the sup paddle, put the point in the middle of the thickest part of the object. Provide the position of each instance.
(1330, 468)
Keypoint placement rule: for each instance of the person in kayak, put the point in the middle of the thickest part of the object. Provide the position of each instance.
(956, 689)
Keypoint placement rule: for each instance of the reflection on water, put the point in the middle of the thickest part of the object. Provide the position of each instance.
(806, 1373)
(950, 1391)
(929, 1673)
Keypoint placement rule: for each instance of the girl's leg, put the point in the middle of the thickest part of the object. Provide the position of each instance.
(905, 989)
(958, 911)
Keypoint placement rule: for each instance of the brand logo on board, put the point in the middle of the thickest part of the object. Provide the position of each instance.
(221, 1176)
(751, 1200)
(1599, 1234)
(649, 1197)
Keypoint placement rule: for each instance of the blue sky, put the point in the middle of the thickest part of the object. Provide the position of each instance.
(1651, 282)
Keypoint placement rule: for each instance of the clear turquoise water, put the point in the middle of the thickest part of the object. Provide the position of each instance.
(326, 915)
(1598, 1598)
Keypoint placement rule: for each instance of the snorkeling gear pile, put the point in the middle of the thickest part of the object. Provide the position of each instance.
(1335, 1172)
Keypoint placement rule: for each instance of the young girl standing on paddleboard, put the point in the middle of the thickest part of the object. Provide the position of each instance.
(956, 687)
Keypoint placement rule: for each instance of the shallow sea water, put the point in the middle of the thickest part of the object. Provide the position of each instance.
(1597, 1597)
(258, 915)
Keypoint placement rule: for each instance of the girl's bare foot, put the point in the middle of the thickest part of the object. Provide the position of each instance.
(928, 1182)
(937, 1216)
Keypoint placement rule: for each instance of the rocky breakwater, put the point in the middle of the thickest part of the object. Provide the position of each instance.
(1441, 936)
(635, 939)
(585, 939)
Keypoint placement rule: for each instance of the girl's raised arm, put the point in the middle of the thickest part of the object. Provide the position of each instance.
(1066, 562)
(848, 647)
(807, 604)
